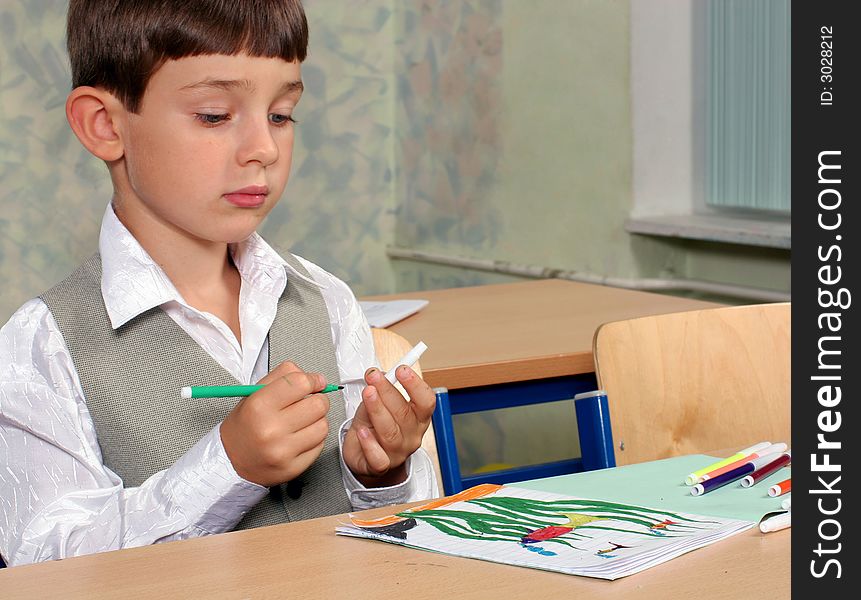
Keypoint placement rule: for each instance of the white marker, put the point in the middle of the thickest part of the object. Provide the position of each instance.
(409, 359)
(776, 523)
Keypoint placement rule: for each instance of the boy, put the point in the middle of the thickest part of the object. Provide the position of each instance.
(190, 105)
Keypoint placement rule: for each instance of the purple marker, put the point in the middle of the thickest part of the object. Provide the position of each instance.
(733, 475)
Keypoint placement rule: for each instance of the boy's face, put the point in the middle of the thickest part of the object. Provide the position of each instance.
(208, 154)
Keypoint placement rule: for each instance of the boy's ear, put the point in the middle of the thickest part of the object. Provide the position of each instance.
(95, 116)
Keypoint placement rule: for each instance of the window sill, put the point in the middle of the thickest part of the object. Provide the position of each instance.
(765, 232)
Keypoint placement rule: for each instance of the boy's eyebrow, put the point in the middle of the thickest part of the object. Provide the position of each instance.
(231, 84)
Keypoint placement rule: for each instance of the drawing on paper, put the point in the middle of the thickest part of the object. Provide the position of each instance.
(548, 531)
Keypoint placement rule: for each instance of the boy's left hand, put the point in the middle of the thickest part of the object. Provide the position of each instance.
(387, 428)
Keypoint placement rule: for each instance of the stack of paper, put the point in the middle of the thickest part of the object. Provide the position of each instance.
(547, 531)
(385, 313)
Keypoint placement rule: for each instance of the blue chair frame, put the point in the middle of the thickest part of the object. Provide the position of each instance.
(593, 425)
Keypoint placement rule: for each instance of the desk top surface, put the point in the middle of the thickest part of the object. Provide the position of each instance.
(517, 331)
(307, 560)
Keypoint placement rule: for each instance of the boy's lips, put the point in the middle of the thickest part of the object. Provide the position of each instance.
(251, 196)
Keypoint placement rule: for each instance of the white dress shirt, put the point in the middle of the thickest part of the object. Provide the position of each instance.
(58, 499)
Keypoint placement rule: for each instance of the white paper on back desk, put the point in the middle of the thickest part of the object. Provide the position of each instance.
(389, 312)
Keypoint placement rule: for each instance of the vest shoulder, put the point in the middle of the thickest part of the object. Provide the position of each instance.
(88, 272)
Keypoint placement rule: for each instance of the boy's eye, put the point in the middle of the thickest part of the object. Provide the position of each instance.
(211, 119)
(278, 119)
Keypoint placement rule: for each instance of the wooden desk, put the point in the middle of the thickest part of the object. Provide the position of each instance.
(512, 332)
(500, 346)
(307, 560)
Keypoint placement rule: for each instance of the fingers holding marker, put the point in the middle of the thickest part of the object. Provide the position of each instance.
(306, 411)
(386, 427)
(388, 395)
(293, 387)
(409, 359)
(422, 396)
(407, 378)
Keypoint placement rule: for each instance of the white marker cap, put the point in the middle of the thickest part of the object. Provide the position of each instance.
(786, 504)
(755, 448)
(697, 490)
(185, 392)
(773, 449)
(409, 359)
(776, 523)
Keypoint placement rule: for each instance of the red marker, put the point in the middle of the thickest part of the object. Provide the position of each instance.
(779, 489)
(763, 472)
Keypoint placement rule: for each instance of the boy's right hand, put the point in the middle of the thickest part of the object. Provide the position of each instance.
(275, 434)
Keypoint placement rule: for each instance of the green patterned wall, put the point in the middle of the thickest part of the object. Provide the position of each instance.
(52, 192)
(448, 64)
(337, 209)
(514, 125)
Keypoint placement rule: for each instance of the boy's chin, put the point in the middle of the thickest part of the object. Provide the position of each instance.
(233, 235)
(236, 238)
(235, 232)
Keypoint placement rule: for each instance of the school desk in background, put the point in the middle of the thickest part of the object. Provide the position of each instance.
(521, 347)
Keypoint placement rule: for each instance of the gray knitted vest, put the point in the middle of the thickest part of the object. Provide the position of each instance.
(132, 377)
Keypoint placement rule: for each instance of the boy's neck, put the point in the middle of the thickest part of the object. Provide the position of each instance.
(201, 271)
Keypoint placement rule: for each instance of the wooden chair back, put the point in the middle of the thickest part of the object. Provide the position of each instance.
(696, 381)
(390, 347)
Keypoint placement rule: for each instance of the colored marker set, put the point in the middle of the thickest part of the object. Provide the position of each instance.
(751, 465)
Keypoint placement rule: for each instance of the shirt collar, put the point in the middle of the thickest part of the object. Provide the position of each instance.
(133, 283)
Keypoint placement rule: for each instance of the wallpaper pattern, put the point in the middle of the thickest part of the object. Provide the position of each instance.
(338, 207)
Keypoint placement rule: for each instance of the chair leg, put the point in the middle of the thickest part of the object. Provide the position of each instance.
(593, 425)
(445, 443)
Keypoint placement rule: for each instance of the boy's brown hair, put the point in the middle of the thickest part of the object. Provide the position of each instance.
(117, 45)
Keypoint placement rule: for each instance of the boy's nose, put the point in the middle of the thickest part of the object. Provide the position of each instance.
(258, 145)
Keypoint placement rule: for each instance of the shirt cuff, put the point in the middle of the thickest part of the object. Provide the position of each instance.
(213, 496)
(420, 483)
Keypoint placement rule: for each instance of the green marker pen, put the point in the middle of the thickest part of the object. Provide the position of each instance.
(230, 391)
